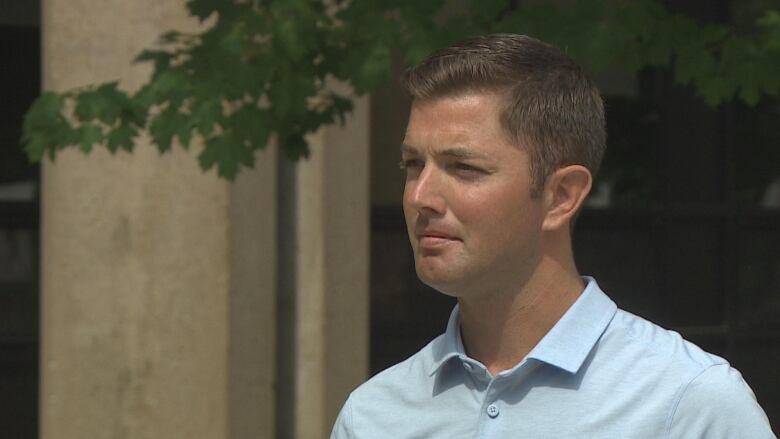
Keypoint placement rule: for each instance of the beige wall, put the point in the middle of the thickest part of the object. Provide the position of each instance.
(135, 257)
(159, 281)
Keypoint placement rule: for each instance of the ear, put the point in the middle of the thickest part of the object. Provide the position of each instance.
(564, 192)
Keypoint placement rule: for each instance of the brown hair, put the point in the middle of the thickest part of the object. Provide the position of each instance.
(550, 105)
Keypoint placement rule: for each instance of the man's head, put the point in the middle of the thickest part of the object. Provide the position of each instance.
(503, 136)
(549, 106)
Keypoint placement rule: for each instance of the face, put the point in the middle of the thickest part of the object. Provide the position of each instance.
(472, 222)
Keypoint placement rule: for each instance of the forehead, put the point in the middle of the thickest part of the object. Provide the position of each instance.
(466, 124)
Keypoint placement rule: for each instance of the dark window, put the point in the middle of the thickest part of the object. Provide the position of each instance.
(19, 236)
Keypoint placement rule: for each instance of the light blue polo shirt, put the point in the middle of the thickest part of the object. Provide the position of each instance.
(600, 372)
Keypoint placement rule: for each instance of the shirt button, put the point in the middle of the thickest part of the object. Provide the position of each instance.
(492, 410)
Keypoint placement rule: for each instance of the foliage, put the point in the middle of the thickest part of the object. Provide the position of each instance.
(264, 67)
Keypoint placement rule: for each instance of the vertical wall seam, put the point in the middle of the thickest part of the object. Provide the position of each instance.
(286, 274)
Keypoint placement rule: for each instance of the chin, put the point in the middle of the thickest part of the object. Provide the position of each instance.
(440, 282)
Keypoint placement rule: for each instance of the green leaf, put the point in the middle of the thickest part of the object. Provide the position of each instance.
(88, 136)
(36, 145)
(184, 133)
(46, 108)
(374, 69)
(289, 40)
(289, 93)
(203, 8)
(770, 19)
(250, 126)
(693, 63)
(750, 94)
(147, 96)
(295, 147)
(341, 106)
(171, 36)
(104, 103)
(171, 85)
(134, 113)
(205, 115)
(227, 153)
(89, 106)
(164, 127)
(209, 156)
(160, 58)
(44, 128)
(123, 136)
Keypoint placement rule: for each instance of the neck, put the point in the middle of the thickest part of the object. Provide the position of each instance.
(501, 328)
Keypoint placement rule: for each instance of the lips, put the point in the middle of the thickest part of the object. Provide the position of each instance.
(432, 238)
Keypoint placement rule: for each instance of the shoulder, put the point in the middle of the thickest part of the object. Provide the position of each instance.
(706, 397)
(717, 403)
(373, 408)
(634, 336)
(406, 376)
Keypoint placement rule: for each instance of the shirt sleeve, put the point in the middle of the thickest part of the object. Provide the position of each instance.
(718, 404)
(342, 429)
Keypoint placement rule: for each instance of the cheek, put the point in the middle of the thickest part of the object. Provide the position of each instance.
(498, 215)
(409, 211)
(405, 195)
(490, 204)
(410, 217)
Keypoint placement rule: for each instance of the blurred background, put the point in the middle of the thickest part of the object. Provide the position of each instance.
(683, 228)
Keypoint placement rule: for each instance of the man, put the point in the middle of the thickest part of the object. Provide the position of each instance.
(504, 136)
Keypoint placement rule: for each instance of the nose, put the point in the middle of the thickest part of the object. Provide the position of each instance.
(424, 192)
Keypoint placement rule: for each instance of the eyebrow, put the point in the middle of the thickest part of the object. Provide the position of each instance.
(452, 152)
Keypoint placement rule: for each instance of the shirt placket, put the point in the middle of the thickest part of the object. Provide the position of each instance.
(495, 413)
(490, 418)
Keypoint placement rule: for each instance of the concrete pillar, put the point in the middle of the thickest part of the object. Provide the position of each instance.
(332, 281)
(159, 282)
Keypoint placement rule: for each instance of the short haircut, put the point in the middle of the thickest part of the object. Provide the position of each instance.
(551, 107)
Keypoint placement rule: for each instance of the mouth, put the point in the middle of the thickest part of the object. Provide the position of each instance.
(433, 240)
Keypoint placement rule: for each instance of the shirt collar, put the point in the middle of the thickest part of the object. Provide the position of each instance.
(569, 342)
(449, 345)
(565, 346)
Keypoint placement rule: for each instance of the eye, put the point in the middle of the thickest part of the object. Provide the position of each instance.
(466, 169)
(411, 164)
